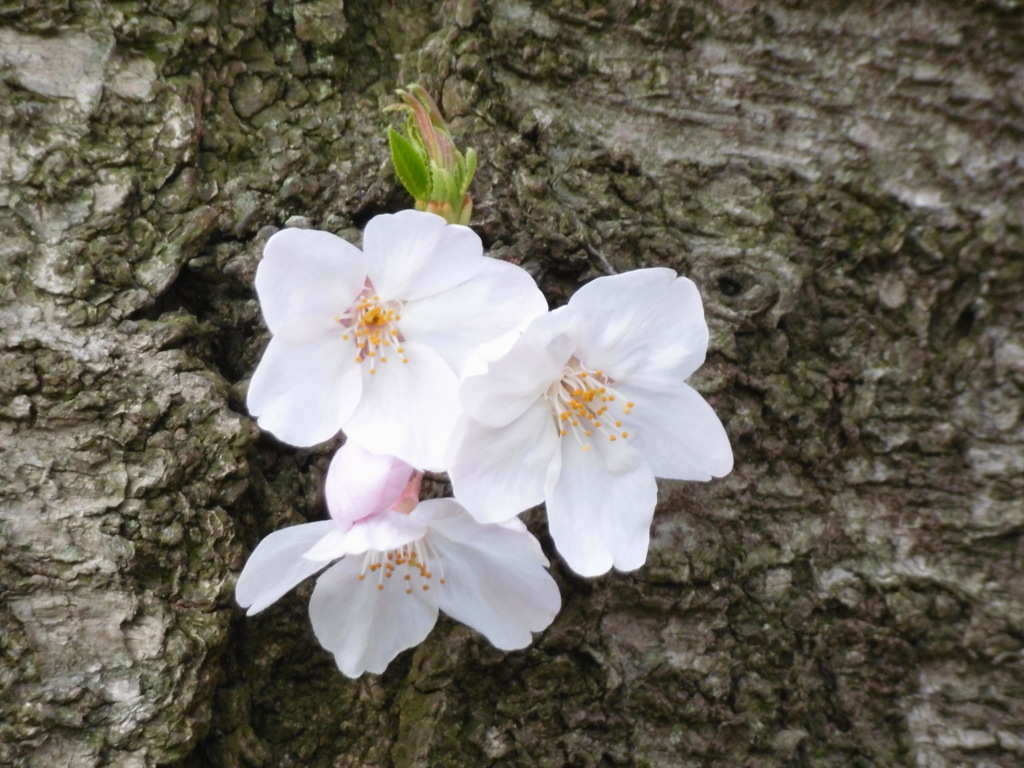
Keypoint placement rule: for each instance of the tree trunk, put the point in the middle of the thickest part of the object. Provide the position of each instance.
(841, 180)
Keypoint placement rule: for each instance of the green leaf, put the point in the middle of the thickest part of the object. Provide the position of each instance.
(409, 165)
(470, 169)
(441, 187)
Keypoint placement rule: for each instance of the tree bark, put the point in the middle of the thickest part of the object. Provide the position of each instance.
(841, 180)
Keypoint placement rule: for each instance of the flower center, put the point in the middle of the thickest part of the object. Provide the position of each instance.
(581, 400)
(373, 326)
(410, 564)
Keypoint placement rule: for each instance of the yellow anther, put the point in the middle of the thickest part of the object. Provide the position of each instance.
(625, 434)
(629, 405)
(373, 370)
(400, 349)
(383, 359)
(583, 375)
(442, 581)
(359, 359)
(611, 397)
(373, 354)
(405, 360)
(618, 423)
(426, 587)
(564, 433)
(564, 416)
(575, 423)
(586, 432)
(387, 343)
(388, 574)
(380, 586)
(407, 577)
(611, 438)
(362, 576)
(394, 332)
(600, 373)
(344, 336)
(376, 298)
(586, 447)
(408, 591)
(373, 316)
(597, 423)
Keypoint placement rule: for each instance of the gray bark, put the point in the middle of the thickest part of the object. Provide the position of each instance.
(843, 182)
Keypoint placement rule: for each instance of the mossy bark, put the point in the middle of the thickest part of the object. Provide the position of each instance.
(842, 181)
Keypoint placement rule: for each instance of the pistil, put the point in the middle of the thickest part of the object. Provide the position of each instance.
(411, 562)
(373, 326)
(581, 400)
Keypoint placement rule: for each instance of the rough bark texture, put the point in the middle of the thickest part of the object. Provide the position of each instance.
(843, 180)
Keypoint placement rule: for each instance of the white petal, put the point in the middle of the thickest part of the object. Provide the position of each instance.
(481, 357)
(409, 409)
(307, 273)
(450, 518)
(495, 581)
(382, 531)
(516, 380)
(678, 433)
(498, 472)
(365, 627)
(360, 483)
(277, 565)
(304, 392)
(499, 298)
(600, 506)
(413, 254)
(645, 326)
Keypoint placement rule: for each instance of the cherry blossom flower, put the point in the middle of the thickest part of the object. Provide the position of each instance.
(373, 341)
(584, 410)
(396, 562)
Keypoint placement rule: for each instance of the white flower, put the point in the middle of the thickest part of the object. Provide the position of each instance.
(373, 341)
(394, 571)
(585, 409)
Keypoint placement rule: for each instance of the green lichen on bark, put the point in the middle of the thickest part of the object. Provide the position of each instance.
(839, 180)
